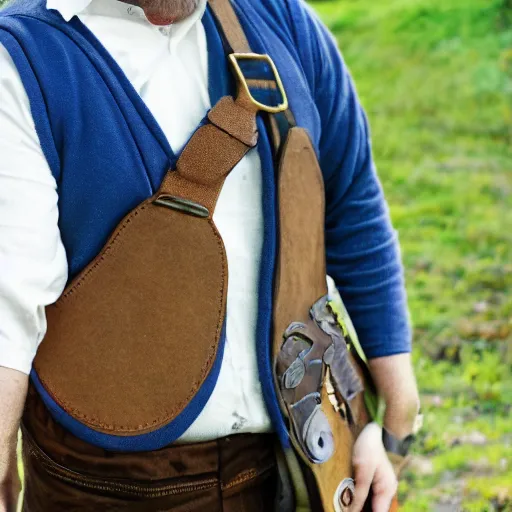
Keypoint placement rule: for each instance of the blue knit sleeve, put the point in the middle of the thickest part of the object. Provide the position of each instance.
(363, 255)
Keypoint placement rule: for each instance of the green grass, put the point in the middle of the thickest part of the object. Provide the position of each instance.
(435, 78)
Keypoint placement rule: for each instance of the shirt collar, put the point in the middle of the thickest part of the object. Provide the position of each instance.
(70, 8)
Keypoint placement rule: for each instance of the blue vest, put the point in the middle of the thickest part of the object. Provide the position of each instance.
(108, 154)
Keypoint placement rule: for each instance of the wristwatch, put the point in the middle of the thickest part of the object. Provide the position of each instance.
(394, 445)
(401, 446)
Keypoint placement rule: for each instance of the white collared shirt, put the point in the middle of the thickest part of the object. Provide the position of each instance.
(168, 66)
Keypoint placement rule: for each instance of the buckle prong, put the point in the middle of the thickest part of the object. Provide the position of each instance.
(235, 57)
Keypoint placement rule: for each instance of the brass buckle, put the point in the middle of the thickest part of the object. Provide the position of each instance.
(235, 57)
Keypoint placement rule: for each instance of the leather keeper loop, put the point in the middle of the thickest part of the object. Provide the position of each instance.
(210, 155)
(235, 120)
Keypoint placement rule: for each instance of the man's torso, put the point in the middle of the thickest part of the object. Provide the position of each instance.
(168, 68)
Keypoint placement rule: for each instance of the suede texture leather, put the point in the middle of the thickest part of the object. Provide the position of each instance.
(156, 293)
(300, 283)
(300, 278)
(235, 120)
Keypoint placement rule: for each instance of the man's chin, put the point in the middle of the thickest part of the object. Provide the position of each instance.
(165, 12)
(160, 19)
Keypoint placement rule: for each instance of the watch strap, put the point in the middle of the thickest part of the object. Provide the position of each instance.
(394, 445)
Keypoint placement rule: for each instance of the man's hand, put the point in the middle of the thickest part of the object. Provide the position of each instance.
(396, 384)
(13, 390)
(372, 469)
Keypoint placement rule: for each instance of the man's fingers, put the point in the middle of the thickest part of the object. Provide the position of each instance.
(384, 489)
(372, 469)
(382, 502)
(363, 473)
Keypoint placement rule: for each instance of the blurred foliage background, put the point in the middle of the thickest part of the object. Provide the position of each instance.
(435, 77)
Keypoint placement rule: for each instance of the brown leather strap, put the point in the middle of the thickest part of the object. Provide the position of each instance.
(238, 43)
(235, 36)
(236, 39)
(233, 31)
(231, 131)
(211, 154)
(216, 148)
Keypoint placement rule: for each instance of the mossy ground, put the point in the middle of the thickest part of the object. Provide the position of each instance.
(435, 78)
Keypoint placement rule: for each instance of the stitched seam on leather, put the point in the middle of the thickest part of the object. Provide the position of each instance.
(168, 415)
(101, 256)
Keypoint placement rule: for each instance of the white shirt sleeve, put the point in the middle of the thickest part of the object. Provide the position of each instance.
(33, 265)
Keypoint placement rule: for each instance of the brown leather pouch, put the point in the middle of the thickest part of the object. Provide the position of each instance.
(135, 341)
(114, 332)
(318, 378)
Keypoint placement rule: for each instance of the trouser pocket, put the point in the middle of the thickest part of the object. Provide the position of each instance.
(50, 486)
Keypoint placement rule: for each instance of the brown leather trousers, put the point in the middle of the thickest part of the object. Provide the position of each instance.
(63, 473)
